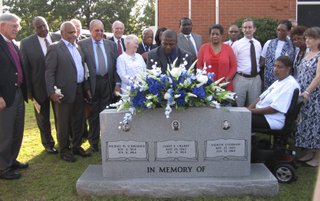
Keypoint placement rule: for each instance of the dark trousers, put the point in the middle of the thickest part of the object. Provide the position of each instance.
(70, 118)
(11, 131)
(44, 125)
(102, 98)
(259, 121)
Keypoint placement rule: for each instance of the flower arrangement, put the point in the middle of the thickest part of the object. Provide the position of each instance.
(178, 88)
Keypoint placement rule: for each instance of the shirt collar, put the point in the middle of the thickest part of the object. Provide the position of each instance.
(5, 38)
(67, 43)
(95, 42)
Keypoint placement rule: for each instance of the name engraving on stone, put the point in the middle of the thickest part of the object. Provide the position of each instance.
(225, 149)
(127, 151)
(172, 150)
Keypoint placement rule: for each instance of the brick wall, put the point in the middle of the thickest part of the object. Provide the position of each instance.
(203, 12)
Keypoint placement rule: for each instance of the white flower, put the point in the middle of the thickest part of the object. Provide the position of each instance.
(176, 72)
(215, 104)
(202, 79)
(149, 105)
(155, 71)
(168, 111)
(167, 95)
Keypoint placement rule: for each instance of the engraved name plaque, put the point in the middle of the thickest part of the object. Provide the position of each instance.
(127, 150)
(176, 150)
(225, 149)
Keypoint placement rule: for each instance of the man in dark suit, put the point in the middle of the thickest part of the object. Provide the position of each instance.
(187, 40)
(100, 56)
(164, 55)
(33, 51)
(66, 86)
(118, 30)
(146, 44)
(13, 91)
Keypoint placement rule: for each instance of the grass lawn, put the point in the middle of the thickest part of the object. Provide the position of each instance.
(49, 178)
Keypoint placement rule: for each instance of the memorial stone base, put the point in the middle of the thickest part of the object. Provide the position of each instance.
(199, 151)
(259, 183)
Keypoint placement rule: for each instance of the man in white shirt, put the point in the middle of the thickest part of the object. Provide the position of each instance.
(247, 82)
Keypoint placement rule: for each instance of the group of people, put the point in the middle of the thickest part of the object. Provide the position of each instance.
(71, 72)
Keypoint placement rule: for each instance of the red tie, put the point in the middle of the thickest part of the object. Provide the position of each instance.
(119, 47)
(17, 61)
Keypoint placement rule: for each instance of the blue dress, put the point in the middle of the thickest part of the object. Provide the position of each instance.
(308, 129)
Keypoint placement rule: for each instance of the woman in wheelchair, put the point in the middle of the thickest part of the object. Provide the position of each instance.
(268, 111)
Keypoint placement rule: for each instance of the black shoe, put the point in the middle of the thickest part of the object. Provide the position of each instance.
(94, 148)
(81, 152)
(68, 157)
(9, 174)
(51, 150)
(19, 165)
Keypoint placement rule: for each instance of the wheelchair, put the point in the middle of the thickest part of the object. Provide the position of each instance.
(274, 150)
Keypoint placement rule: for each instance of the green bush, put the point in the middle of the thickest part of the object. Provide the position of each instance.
(266, 28)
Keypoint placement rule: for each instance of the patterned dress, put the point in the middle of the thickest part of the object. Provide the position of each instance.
(308, 130)
(270, 59)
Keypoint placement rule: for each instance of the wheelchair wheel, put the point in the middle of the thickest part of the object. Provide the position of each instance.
(284, 173)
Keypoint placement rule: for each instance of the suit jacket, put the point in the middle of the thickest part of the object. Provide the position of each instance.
(122, 41)
(112, 54)
(34, 63)
(8, 74)
(157, 55)
(61, 72)
(141, 49)
(184, 44)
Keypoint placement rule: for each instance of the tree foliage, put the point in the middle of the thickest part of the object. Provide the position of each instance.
(57, 11)
(149, 13)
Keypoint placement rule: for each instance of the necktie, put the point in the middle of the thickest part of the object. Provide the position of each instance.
(16, 60)
(101, 62)
(47, 42)
(253, 59)
(47, 45)
(119, 47)
(191, 45)
(146, 48)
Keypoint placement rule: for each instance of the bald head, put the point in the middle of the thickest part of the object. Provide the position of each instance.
(68, 31)
(40, 26)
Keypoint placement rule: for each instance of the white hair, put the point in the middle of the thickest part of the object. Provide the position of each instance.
(130, 38)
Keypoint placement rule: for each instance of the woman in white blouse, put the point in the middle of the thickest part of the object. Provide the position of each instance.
(130, 63)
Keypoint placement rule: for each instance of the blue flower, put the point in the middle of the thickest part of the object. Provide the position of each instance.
(181, 100)
(155, 86)
(138, 100)
(199, 91)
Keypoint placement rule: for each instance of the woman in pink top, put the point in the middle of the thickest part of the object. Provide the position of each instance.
(218, 57)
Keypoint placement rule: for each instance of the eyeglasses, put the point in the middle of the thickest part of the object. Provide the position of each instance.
(98, 30)
(233, 31)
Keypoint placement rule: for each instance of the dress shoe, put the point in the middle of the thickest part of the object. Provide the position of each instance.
(94, 148)
(68, 157)
(81, 152)
(19, 165)
(51, 150)
(9, 174)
